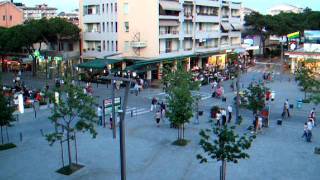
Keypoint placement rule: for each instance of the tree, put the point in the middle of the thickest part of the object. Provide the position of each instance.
(225, 146)
(256, 97)
(74, 111)
(307, 82)
(180, 100)
(5, 116)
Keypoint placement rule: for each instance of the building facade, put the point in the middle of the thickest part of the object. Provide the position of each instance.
(198, 32)
(286, 8)
(98, 21)
(38, 12)
(10, 15)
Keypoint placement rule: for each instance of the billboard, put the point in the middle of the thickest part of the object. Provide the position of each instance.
(312, 37)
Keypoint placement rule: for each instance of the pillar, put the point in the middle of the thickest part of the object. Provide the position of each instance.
(160, 70)
(123, 65)
(149, 75)
(175, 65)
(188, 64)
(200, 63)
(293, 65)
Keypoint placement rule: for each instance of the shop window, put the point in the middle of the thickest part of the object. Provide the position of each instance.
(126, 25)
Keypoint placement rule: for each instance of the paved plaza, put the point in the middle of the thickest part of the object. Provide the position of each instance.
(278, 153)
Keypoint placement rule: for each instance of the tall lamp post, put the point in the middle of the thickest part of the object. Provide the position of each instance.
(122, 120)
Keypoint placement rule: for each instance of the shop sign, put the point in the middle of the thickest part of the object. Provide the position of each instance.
(107, 104)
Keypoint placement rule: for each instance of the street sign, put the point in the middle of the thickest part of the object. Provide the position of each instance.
(108, 105)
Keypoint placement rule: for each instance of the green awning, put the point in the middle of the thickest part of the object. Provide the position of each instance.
(99, 64)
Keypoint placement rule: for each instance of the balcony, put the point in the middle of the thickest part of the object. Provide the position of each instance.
(235, 5)
(138, 44)
(205, 18)
(209, 3)
(235, 34)
(168, 50)
(92, 36)
(207, 34)
(169, 34)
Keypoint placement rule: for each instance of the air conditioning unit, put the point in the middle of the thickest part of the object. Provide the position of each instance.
(138, 44)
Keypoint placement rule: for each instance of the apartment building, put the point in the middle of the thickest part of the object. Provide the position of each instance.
(197, 32)
(38, 12)
(98, 20)
(10, 15)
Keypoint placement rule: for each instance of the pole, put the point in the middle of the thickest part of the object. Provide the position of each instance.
(123, 133)
(113, 112)
(238, 96)
(282, 52)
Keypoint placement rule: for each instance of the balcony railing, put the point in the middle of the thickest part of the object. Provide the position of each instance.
(168, 50)
(171, 32)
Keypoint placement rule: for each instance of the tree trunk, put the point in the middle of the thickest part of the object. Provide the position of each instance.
(223, 170)
(34, 66)
(1, 136)
(7, 134)
(69, 149)
(238, 98)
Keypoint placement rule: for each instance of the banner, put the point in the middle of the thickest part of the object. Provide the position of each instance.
(294, 35)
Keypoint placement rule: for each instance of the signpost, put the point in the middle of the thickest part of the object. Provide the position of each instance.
(107, 107)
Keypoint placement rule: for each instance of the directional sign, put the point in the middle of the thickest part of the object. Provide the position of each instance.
(108, 105)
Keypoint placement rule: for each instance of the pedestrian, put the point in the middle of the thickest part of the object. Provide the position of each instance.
(259, 123)
(218, 117)
(111, 121)
(313, 115)
(158, 117)
(153, 103)
(273, 95)
(305, 130)
(224, 116)
(229, 113)
(286, 109)
(163, 110)
(136, 88)
(309, 130)
(99, 114)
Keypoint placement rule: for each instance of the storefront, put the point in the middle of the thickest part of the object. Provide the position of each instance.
(310, 60)
(217, 61)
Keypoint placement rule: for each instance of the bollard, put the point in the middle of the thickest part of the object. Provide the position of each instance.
(41, 131)
(20, 136)
(131, 113)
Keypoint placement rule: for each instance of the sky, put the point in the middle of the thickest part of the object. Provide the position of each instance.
(259, 5)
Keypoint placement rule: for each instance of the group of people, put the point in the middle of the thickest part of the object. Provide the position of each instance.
(160, 109)
(309, 125)
(224, 116)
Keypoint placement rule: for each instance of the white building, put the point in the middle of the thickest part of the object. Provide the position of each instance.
(284, 8)
(38, 12)
(98, 21)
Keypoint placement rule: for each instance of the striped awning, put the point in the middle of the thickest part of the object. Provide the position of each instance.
(226, 26)
(236, 26)
(170, 5)
(168, 23)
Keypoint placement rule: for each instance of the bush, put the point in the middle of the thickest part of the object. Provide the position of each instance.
(306, 101)
(68, 170)
(7, 146)
(180, 142)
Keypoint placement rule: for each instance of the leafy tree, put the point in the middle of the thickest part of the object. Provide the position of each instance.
(72, 113)
(307, 82)
(225, 146)
(180, 100)
(256, 97)
(5, 115)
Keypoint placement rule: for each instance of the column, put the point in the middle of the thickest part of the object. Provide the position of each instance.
(188, 64)
(149, 75)
(200, 63)
(160, 70)
(175, 64)
(292, 65)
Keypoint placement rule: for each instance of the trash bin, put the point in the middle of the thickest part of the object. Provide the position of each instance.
(299, 103)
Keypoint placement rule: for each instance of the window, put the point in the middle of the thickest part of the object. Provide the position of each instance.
(126, 46)
(10, 18)
(107, 26)
(112, 49)
(4, 18)
(103, 27)
(108, 49)
(125, 8)
(102, 8)
(126, 25)
(116, 45)
(104, 45)
(107, 7)
(115, 7)
(116, 24)
(111, 27)
(111, 7)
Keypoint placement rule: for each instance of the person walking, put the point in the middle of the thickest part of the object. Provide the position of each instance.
(229, 113)
(154, 102)
(286, 109)
(224, 117)
(99, 114)
(305, 130)
(158, 117)
(313, 115)
(163, 110)
(218, 117)
(309, 130)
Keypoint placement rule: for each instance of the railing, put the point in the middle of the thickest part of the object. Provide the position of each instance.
(171, 32)
(168, 51)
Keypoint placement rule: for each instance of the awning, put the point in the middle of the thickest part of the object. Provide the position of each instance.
(170, 5)
(236, 26)
(99, 64)
(226, 26)
(168, 23)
